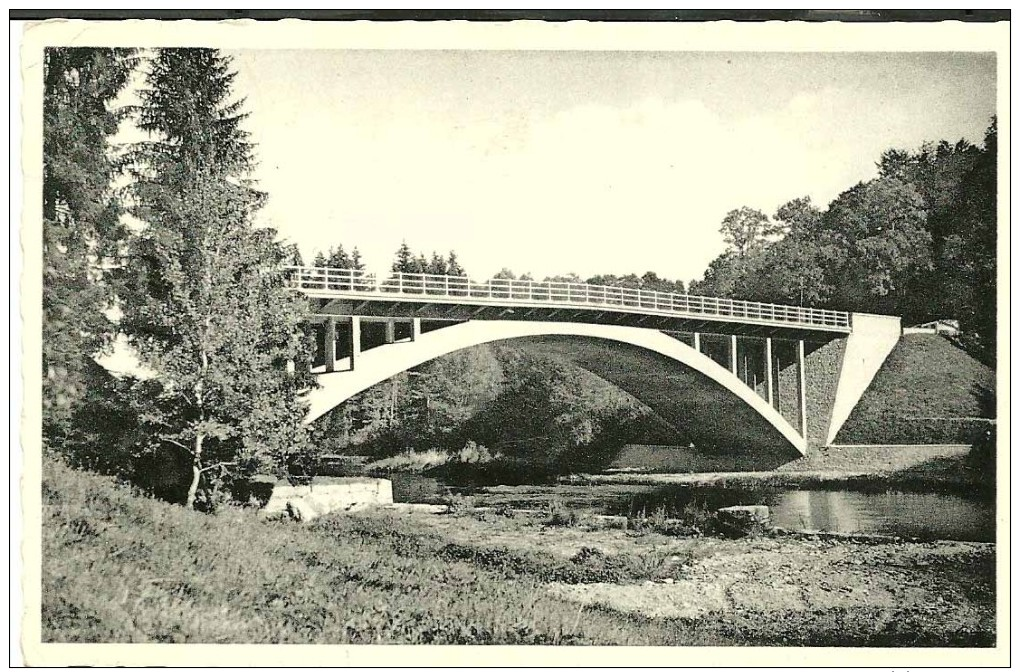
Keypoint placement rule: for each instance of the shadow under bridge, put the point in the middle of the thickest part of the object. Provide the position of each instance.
(711, 406)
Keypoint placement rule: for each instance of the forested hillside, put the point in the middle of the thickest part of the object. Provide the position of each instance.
(918, 241)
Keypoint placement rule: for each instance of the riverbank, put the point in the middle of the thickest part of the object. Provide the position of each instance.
(118, 567)
(936, 468)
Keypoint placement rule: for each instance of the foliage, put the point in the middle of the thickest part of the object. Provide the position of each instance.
(650, 281)
(202, 303)
(918, 241)
(746, 230)
(81, 231)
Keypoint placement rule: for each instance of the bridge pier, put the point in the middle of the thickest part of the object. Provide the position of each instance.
(330, 345)
(354, 340)
(768, 372)
(802, 383)
(415, 328)
(391, 332)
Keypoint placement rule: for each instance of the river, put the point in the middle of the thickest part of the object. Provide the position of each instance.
(905, 514)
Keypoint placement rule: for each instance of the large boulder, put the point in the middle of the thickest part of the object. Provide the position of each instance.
(745, 519)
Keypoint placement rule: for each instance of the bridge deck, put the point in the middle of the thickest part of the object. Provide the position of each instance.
(424, 288)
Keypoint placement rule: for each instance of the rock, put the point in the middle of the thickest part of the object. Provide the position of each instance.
(745, 518)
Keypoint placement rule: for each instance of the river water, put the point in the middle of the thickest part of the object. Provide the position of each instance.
(905, 514)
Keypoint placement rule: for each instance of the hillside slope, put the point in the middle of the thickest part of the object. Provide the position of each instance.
(927, 391)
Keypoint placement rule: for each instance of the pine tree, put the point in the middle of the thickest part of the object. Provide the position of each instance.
(82, 232)
(356, 262)
(338, 258)
(453, 266)
(205, 305)
(404, 262)
(438, 265)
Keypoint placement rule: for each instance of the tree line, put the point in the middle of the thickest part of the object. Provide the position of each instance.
(918, 240)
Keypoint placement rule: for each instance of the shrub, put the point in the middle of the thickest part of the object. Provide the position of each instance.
(559, 514)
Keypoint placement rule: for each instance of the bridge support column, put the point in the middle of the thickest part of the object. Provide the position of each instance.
(697, 341)
(733, 354)
(415, 328)
(802, 383)
(354, 340)
(330, 345)
(768, 371)
(391, 331)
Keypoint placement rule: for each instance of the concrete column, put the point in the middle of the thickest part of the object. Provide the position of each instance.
(697, 341)
(352, 340)
(355, 339)
(415, 328)
(391, 331)
(802, 382)
(330, 348)
(733, 354)
(768, 370)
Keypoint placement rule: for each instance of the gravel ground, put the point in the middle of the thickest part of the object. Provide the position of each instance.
(780, 589)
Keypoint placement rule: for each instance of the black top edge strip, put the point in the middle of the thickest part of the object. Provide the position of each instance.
(611, 15)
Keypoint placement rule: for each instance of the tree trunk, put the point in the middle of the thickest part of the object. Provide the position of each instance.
(196, 472)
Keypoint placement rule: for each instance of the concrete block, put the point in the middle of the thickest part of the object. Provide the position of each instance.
(306, 502)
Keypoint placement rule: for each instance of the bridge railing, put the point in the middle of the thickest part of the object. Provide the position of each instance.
(567, 294)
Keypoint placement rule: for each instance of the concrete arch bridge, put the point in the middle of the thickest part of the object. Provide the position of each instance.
(764, 380)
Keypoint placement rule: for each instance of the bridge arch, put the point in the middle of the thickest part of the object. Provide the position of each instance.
(648, 349)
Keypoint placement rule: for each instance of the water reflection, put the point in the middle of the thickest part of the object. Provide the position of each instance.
(923, 515)
(900, 513)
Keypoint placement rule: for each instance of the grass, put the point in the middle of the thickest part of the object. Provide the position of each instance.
(118, 567)
(927, 391)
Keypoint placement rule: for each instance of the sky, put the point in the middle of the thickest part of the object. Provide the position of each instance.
(584, 162)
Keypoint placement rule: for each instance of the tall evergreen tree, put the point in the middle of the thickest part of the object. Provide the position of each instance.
(338, 258)
(404, 261)
(356, 263)
(204, 304)
(437, 266)
(81, 218)
(453, 266)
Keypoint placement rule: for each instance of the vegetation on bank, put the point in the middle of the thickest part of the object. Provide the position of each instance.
(119, 567)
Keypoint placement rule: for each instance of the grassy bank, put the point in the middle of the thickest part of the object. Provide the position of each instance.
(118, 567)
